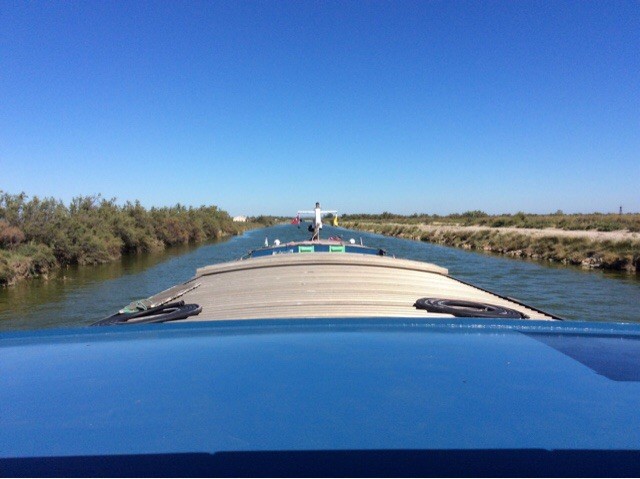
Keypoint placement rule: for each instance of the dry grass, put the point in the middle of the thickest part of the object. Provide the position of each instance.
(572, 222)
(587, 251)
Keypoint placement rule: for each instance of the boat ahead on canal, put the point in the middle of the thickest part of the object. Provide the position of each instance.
(323, 358)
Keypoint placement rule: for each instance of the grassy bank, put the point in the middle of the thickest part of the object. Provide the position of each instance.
(621, 253)
(569, 222)
(38, 236)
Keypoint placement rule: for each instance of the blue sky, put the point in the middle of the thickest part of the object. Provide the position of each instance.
(365, 106)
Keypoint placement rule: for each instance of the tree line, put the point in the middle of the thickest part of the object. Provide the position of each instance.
(38, 235)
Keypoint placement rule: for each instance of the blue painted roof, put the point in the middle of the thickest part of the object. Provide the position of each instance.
(344, 388)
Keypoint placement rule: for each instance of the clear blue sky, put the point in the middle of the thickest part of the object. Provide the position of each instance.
(365, 106)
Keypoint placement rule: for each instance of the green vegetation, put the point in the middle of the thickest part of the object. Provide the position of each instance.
(581, 222)
(39, 235)
(265, 221)
(475, 230)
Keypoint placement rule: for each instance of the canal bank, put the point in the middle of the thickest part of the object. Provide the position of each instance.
(41, 235)
(610, 250)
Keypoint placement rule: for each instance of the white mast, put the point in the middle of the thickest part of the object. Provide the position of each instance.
(317, 215)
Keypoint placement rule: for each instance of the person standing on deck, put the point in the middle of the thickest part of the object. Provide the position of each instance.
(318, 223)
(316, 226)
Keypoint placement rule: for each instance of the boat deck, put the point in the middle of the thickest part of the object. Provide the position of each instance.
(322, 285)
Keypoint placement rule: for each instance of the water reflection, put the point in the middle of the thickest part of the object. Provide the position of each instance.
(567, 291)
(66, 295)
(82, 295)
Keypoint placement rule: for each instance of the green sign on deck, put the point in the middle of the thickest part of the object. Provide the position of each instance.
(305, 249)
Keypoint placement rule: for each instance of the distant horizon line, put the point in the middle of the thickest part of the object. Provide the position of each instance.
(447, 214)
(100, 196)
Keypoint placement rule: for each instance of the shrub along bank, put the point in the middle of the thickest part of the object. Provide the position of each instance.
(621, 255)
(570, 222)
(40, 235)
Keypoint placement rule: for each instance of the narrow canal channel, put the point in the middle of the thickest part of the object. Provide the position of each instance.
(79, 296)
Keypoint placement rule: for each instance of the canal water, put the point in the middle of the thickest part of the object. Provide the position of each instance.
(81, 295)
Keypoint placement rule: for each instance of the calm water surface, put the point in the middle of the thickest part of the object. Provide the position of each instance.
(82, 295)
